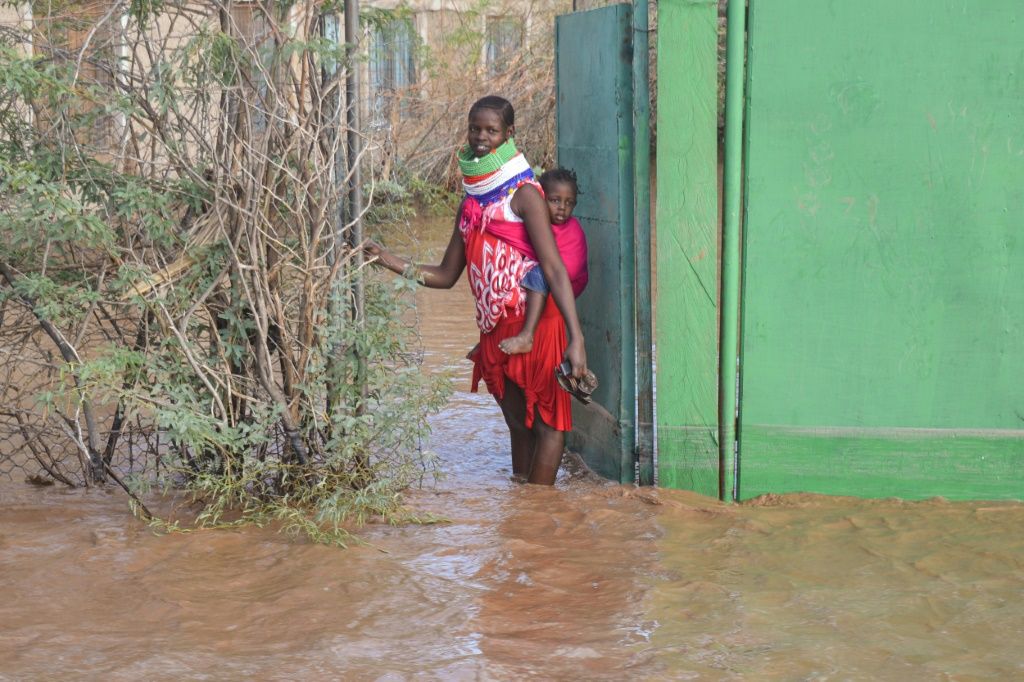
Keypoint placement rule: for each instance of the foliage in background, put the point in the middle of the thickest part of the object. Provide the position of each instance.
(178, 302)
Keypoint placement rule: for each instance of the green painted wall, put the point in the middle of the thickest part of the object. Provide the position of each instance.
(686, 282)
(593, 53)
(883, 306)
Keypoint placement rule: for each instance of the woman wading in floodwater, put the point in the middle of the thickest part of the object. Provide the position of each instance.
(500, 187)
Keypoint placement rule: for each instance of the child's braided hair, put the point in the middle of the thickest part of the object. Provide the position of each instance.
(549, 177)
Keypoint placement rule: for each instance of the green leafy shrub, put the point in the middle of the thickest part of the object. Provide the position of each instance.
(182, 309)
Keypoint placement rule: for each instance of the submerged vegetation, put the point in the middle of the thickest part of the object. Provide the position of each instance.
(182, 307)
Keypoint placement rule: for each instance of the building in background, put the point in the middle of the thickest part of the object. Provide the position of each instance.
(423, 62)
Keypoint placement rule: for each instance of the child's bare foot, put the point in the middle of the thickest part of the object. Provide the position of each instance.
(520, 343)
(472, 352)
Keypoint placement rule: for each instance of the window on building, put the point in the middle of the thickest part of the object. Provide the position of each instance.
(82, 36)
(255, 34)
(392, 66)
(504, 42)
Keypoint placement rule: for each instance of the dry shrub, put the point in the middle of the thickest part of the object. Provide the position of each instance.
(181, 302)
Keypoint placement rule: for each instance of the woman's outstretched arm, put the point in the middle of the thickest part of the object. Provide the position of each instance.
(529, 205)
(441, 276)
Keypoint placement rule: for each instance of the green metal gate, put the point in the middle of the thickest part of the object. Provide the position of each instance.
(882, 260)
(687, 247)
(883, 305)
(595, 138)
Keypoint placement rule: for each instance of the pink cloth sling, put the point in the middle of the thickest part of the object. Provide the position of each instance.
(569, 238)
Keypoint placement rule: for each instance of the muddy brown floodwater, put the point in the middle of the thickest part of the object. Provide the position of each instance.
(586, 580)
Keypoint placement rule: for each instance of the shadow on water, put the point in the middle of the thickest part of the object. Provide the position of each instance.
(588, 580)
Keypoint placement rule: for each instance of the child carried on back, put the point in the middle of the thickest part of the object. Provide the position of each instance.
(560, 192)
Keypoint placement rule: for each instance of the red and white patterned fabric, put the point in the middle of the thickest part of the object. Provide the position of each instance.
(495, 268)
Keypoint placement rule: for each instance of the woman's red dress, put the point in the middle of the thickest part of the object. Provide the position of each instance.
(533, 372)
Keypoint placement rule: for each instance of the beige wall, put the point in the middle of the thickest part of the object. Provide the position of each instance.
(12, 16)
